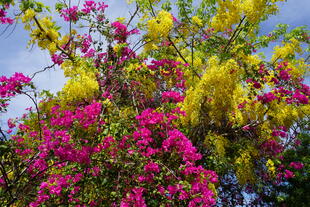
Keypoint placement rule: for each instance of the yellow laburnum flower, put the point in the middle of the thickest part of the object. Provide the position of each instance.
(117, 48)
(64, 40)
(228, 13)
(52, 34)
(29, 14)
(82, 83)
(219, 143)
(244, 166)
(271, 167)
(253, 60)
(283, 114)
(121, 19)
(237, 116)
(79, 88)
(288, 48)
(44, 44)
(253, 111)
(211, 99)
(150, 46)
(46, 22)
(160, 26)
(45, 34)
(298, 68)
(197, 20)
(254, 9)
(52, 48)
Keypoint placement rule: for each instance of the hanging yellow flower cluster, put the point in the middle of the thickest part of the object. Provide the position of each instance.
(285, 115)
(218, 143)
(288, 48)
(228, 13)
(197, 20)
(82, 83)
(160, 26)
(231, 11)
(271, 167)
(43, 31)
(255, 9)
(29, 14)
(157, 28)
(299, 68)
(244, 166)
(211, 99)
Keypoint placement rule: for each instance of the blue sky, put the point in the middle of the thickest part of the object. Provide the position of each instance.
(15, 57)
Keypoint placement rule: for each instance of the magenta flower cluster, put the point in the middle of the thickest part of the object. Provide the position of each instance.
(3, 18)
(172, 96)
(121, 33)
(11, 86)
(92, 6)
(286, 88)
(70, 14)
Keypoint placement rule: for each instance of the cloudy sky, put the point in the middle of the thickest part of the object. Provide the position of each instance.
(15, 57)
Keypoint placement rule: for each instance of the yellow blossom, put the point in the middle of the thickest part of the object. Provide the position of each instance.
(228, 13)
(288, 48)
(210, 100)
(160, 26)
(29, 14)
(254, 9)
(197, 20)
(271, 167)
(219, 143)
(244, 166)
(82, 83)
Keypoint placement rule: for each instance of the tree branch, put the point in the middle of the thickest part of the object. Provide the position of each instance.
(3, 135)
(235, 32)
(38, 113)
(40, 71)
(51, 40)
(133, 15)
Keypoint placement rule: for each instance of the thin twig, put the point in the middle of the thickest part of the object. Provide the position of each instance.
(306, 60)
(11, 31)
(177, 50)
(46, 68)
(33, 178)
(192, 51)
(134, 14)
(231, 38)
(38, 113)
(168, 170)
(139, 47)
(6, 179)
(6, 28)
(51, 40)
(3, 135)
(274, 62)
(26, 167)
(152, 9)
(180, 54)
